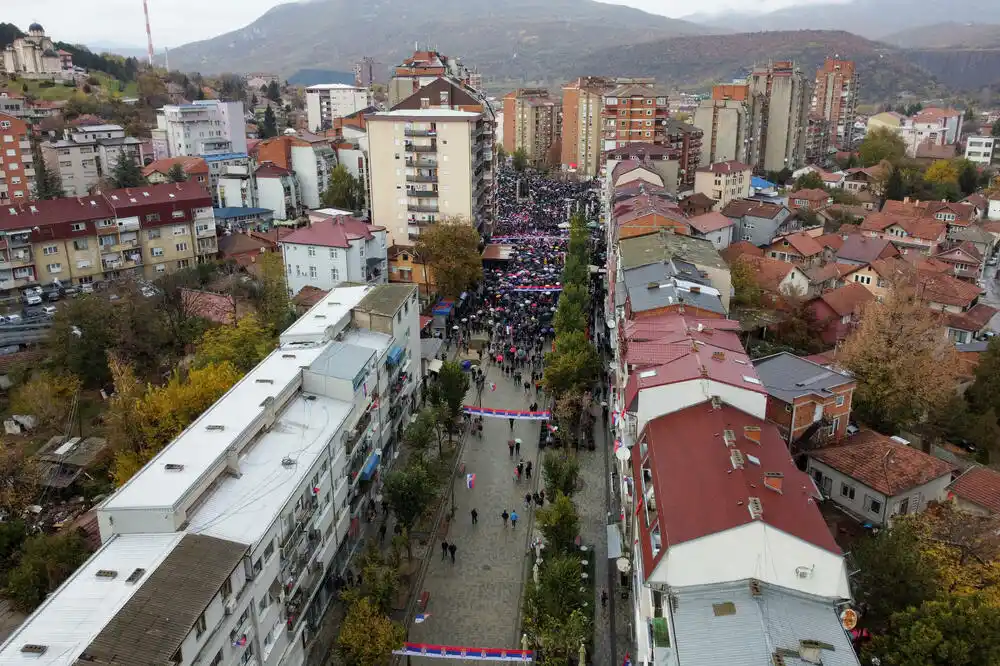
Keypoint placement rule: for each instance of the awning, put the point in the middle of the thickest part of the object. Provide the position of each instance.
(435, 365)
(614, 542)
(370, 465)
(395, 354)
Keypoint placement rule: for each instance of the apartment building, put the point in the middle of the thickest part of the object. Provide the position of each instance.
(204, 127)
(634, 113)
(533, 124)
(422, 68)
(145, 232)
(981, 150)
(17, 175)
(242, 577)
(278, 190)
(326, 102)
(927, 129)
(724, 119)
(582, 103)
(780, 99)
(87, 154)
(724, 182)
(311, 161)
(332, 249)
(818, 140)
(835, 99)
(427, 165)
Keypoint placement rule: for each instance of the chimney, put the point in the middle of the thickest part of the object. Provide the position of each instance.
(773, 481)
(906, 200)
(695, 290)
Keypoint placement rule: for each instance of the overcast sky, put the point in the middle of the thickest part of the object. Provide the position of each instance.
(175, 22)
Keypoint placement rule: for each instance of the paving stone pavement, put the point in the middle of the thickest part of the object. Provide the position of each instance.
(474, 602)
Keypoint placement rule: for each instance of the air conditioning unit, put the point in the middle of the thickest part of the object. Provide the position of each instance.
(231, 606)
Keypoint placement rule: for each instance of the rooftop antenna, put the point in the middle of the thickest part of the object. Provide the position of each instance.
(149, 33)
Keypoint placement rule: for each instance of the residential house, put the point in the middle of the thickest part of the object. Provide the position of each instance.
(837, 312)
(824, 277)
(759, 222)
(970, 325)
(980, 202)
(806, 400)
(928, 152)
(631, 170)
(878, 276)
(245, 247)
(981, 150)
(858, 179)
(965, 260)
(644, 215)
(278, 189)
(910, 234)
(978, 236)
(712, 226)
(798, 248)
(778, 279)
(808, 199)
(672, 286)
(194, 168)
(696, 204)
(312, 162)
(88, 153)
(662, 159)
(332, 250)
(977, 491)
(860, 250)
(724, 182)
(874, 477)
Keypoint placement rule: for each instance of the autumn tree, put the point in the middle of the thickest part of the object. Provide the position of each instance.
(176, 174)
(747, 291)
(904, 364)
(20, 480)
(367, 637)
(568, 412)
(559, 523)
(270, 293)
(879, 144)
(46, 561)
(450, 249)
(244, 345)
(345, 191)
(942, 172)
(47, 396)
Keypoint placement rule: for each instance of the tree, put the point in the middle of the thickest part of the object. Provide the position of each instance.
(126, 172)
(48, 397)
(244, 345)
(808, 181)
(571, 314)
(367, 637)
(269, 127)
(421, 432)
(968, 177)
(995, 130)
(520, 159)
(20, 479)
(176, 174)
(273, 91)
(47, 560)
(568, 412)
(954, 631)
(561, 472)
(48, 184)
(984, 393)
(895, 187)
(270, 293)
(344, 191)
(747, 291)
(880, 144)
(904, 365)
(409, 492)
(942, 172)
(82, 333)
(573, 364)
(559, 524)
(450, 249)
(452, 385)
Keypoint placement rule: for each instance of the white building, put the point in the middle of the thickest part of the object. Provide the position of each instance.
(277, 189)
(334, 248)
(204, 127)
(327, 101)
(981, 150)
(724, 182)
(222, 550)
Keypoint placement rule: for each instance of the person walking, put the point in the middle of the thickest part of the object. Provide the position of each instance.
(527, 500)
(505, 516)
(527, 469)
(475, 517)
(444, 549)
(604, 600)
(510, 447)
(513, 519)
(451, 550)
(517, 473)
(517, 446)
(511, 422)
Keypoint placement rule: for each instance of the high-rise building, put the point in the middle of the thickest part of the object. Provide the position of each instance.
(532, 123)
(779, 97)
(426, 165)
(634, 113)
(818, 140)
(422, 68)
(205, 127)
(325, 102)
(724, 119)
(582, 102)
(835, 98)
(88, 153)
(16, 161)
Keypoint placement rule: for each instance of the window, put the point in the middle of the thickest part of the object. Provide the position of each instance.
(104, 224)
(11, 152)
(333, 253)
(846, 490)
(54, 268)
(78, 226)
(182, 247)
(227, 588)
(312, 272)
(262, 606)
(107, 241)
(200, 625)
(153, 234)
(217, 659)
(156, 251)
(873, 505)
(840, 401)
(153, 217)
(4, 124)
(180, 231)
(311, 251)
(269, 551)
(50, 249)
(334, 273)
(177, 215)
(80, 244)
(903, 507)
(183, 263)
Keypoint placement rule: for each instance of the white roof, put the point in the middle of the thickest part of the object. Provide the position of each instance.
(333, 86)
(243, 509)
(98, 128)
(313, 325)
(199, 449)
(405, 113)
(70, 618)
(335, 212)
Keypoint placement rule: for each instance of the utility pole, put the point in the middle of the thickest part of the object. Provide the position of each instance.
(149, 33)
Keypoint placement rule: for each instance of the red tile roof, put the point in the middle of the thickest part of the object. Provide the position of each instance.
(309, 296)
(769, 273)
(830, 271)
(732, 166)
(191, 165)
(661, 340)
(207, 305)
(333, 232)
(881, 463)
(709, 222)
(812, 195)
(979, 485)
(942, 288)
(268, 170)
(833, 241)
(738, 249)
(974, 320)
(641, 206)
(848, 299)
(692, 468)
(802, 243)
(53, 211)
(189, 192)
(922, 228)
(935, 151)
(744, 207)
(865, 249)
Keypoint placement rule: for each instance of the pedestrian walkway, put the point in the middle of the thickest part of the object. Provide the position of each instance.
(474, 601)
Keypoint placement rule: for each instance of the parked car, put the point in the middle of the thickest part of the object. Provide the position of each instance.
(86, 288)
(12, 318)
(49, 310)
(32, 299)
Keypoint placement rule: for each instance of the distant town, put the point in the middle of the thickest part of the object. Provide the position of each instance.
(602, 373)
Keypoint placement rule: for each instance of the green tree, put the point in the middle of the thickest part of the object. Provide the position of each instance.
(559, 586)
(452, 385)
(367, 637)
(273, 91)
(176, 174)
(13, 534)
(984, 393)
(880, 144)
(81, 335)
(47, 560)
(571, 314)
(127, 172)
(48, 184)
(270, 293)
(895, 186)
(559, 524)
(409, 492)
(745, 286)
(561, 472)
(421, 432)
(953, 631)
(20, 480)
(808, 181)
(344, 191)
(244, 345)
(968, 177)
(450, 249)
(520, 159)
(995, 130)
(573, 364)
(269, 126)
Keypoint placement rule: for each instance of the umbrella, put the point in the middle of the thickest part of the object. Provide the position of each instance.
(454, 328)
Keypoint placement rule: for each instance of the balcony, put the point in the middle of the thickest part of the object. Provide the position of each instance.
(421, 161)
(421, 148)
(421, 193)
(123, 245)
(202, 231)
(351, 438)
(421, 178)
(296, 605)
(422, 209)
(19, 259)
(412, 131)
(207, 246)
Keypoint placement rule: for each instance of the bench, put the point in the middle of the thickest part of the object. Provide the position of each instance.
(422, 601)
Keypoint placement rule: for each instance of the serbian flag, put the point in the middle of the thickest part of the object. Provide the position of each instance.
(470, 481)
(241, 641)
(493, 386)
(315, 490)
(628, 660)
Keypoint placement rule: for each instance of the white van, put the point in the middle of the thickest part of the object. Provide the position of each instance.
(32, 299)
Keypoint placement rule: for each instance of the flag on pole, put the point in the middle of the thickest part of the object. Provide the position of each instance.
(493, 386)
(420, 617)
(628, 660)
(470, 481)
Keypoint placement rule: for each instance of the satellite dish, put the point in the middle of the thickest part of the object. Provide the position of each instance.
(849, 618)
(623, 564)
(623, 453)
